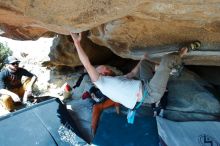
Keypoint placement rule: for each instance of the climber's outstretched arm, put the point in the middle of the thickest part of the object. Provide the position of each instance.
(94, 75)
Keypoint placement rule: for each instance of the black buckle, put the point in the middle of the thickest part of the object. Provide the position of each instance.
(156, 108)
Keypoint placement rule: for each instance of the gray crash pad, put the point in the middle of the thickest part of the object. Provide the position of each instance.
(46, 124)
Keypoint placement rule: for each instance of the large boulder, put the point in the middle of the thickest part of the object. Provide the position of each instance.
(128, 27)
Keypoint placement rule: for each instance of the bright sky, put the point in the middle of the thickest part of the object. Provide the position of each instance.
(33, 48)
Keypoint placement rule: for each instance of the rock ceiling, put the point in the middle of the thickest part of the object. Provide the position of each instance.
(127, 27)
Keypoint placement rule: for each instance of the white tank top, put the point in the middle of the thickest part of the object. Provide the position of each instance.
(120, 89)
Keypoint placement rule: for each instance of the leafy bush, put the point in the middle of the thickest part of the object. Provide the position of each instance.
(4, 53)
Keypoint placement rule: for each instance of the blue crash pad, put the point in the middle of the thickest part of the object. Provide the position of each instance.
(113, 130)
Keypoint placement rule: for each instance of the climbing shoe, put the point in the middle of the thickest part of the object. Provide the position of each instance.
(193, 46)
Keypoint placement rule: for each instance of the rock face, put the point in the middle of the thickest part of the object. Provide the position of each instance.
(131, 35)
(63, 52)
(127, 27)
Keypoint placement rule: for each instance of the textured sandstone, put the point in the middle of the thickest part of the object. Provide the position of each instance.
(63, 52)
(127, 27)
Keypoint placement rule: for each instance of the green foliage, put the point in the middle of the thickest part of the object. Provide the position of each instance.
(4, 53)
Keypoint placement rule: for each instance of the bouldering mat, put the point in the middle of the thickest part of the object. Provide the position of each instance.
(113, 130)
(46, 124)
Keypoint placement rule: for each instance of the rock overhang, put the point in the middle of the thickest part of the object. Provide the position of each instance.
(127, 27)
